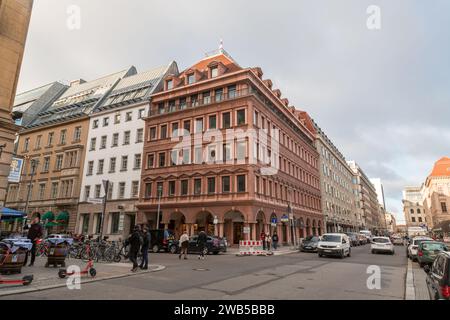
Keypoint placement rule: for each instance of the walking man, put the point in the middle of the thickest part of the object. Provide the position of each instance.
(262, 237)
(201, 243)
(268, 241)
(147, 240)
(135, 243)
(34, 234)
(184, 243)
(275, 241)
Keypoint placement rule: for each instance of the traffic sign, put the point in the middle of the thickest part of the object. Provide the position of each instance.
(95, 200)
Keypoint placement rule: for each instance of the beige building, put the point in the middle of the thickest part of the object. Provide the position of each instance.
(14, 20)
(413, 207)
(391, 222)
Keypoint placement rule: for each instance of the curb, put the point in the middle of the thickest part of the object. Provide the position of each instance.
(61, 285)
(410, 293)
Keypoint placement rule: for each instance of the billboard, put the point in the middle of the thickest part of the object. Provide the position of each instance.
(16, 170)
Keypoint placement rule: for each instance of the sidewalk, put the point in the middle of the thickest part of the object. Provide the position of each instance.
(47, 278)
(416, 287)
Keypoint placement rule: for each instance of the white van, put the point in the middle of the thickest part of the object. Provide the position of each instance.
(334, 244)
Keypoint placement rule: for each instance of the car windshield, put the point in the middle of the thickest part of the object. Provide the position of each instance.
(312, 238)
(331, 238)
(381, 240)
(419, 241)
(434, 246)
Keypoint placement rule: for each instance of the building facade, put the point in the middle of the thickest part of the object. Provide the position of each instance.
(339, 201)
(413, 210)
(225, 153)
(53, 147)
(114, 152)
(14, 21)
(391, 223)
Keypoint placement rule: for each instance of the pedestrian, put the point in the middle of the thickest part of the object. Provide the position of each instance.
(262, 237)
(147, 239)
(268, 241)
(34, 234)
(275, 241)
(201, 243)
(184, 243)
(135, 243)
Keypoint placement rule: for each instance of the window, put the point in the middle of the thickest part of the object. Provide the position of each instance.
(59, 162)
(212, 122)
(226, 184)
(194, 100)
(241, 150)
(153, 133)
(117, 118)
(172, 106)
(412, 210)
(162, 159)
(98, 189)
(418, 210)
(199, 125)
(121, 194)
(106, 121)
(241, 183)
(93, 143)
(171, 188)
(103, 142)
(175, 129)
(198, 155)
(190, 78)
(182, 103)
(413, 219)
(50, 139)
(46, 166)
(197, 186)
(62, 137)
(85, 224)
(126, 138)
(174, 157)
(206, 97)
(226, 120)
(128, 116)
(41, 191)
(95, 124)
(26, 145)
(87, 192)
(159, 189)
(115, 218)
(214, 72)
(90, 168)
(38, 142)
(212, 185)
(218, 95)
(112, 165)
(161, 108)
(150, 160)
(100, 166)
(169, 84)
(148, 190)
(163, 133)
(124, 166)
(99, 223)
(420, 219)
(141, 113)
(187, 126)
(184, 187)
(137, 161)
(54, 190)
(77, 134)
(115, 140)
(444, 206)
(134, 189)
(226, 152)
(240, 114)
(231, 92)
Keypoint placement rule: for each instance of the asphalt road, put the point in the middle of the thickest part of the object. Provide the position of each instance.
(291, 276)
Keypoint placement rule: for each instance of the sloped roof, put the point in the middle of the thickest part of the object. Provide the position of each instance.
(142, 79)
(29, 96)
(441, 168)
(219, 56)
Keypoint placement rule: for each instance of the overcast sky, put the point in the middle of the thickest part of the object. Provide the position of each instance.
(381, 95)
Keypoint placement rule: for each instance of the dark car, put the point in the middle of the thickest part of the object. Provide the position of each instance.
(309, 244)
(214, 245)
(438, 277)
(159, 241)
(428, 251)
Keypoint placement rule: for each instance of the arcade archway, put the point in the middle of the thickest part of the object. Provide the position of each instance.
(234, 226)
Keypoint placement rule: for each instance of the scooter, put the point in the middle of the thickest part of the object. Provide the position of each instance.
(89, 269)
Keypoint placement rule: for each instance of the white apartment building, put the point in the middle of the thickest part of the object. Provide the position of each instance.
(413, 209)
(114, 153)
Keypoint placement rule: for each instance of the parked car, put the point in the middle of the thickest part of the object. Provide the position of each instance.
(382, 244)
(428, 251)
(397, 241)
(214, 245)
(362, 239)
(309, 244)
(438, 277)
(334, 244)
(411, 250)
(354, 240)
(159, 242)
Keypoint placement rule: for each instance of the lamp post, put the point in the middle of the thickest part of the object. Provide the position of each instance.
(215, 221)
(291, 220)
(159, 206)
(105, 198)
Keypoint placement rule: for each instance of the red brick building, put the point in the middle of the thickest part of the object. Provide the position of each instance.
(222, 145)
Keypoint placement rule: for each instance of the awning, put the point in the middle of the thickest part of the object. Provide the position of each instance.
(10, 213)
(51, 224)
(63, 217)
(48, 216)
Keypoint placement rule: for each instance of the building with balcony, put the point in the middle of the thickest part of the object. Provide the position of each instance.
(115, 144)
(225, 153)
(413, 210)
(53, 146)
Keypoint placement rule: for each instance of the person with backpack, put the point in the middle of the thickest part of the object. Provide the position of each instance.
(147, 240)
(201, 243)
(135, 241)
(275, 240)
(184, 244)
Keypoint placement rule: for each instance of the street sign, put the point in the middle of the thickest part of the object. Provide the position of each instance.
(246, 230)
(274, 220)
(284, 218)
(273, 224)
(15, 170)
(121, 220)
(95, 200)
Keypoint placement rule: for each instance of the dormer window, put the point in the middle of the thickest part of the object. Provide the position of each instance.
(190, 78)
(169, 84)
(214, 72)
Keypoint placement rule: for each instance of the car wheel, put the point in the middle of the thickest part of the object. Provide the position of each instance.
(173, 249)
(215, 252)
(349, 253)
(342, 254)
(155, 248)
(320, 255)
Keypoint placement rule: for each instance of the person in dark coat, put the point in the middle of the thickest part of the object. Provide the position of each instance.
(201, 243)
(34, 233)
(135, 244)
(147, 239)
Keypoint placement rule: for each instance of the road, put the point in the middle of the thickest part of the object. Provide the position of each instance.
(291, 276)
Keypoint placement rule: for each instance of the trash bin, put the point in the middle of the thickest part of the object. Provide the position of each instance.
(57, 251)
(12, 255)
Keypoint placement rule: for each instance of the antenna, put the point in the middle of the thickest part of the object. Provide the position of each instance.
(221, 44)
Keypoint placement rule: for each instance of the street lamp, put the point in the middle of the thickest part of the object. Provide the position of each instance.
(105, 198)
(215, 221)
(159, 206)
(33, 167)
(291, 219)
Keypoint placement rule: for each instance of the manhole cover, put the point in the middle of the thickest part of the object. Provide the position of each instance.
(301, 288)
(200, 269)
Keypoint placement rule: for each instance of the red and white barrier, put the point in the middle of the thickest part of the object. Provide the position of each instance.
(251, 248)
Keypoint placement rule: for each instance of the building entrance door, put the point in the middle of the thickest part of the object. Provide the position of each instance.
(238, 232)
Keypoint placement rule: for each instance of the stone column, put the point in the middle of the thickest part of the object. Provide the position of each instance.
(220, 226)
(246, 235)
(254, 235)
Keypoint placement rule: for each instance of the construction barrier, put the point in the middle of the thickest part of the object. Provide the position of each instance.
(252, 248)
